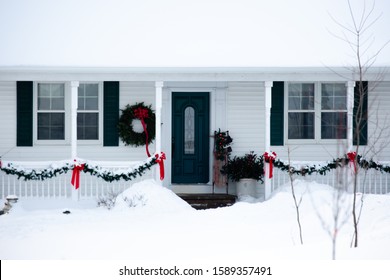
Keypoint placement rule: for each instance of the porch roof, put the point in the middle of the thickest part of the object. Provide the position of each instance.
(191, 74)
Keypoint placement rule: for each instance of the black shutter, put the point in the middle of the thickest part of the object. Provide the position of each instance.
(360, 97)
(110, 113)
(277, 114)
(24, 114)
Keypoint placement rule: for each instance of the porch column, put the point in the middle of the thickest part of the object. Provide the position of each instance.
(159, 85)
(350, 98)
(267, 136)
(74, 85)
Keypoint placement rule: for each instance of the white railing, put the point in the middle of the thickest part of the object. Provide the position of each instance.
(60, 186)
(369, 181)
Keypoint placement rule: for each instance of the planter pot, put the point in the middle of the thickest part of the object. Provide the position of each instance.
(246, 187)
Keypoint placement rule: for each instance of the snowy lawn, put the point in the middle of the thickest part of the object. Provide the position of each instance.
(161, 226)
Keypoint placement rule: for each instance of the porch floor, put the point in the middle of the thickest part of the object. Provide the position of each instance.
(201, 201)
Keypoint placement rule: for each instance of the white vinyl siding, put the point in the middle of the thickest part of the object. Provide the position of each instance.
(378, 121)
(7, 117)
(245, 116)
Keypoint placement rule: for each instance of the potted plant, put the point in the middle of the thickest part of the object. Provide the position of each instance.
(246, 171)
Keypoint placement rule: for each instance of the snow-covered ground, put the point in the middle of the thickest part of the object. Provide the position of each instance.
(161, 226)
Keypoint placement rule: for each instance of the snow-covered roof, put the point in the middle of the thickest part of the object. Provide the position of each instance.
(213, 74)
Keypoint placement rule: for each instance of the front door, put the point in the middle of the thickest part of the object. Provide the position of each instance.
(190, 137)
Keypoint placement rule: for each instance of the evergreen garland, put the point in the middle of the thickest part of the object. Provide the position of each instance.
(94, 170)
(132, 173)
(335, 163)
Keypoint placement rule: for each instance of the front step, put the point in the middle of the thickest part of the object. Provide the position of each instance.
(208, 201)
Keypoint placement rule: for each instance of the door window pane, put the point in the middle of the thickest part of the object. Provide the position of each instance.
(189, 130)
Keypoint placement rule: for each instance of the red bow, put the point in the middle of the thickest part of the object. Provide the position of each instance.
(270, 158)
(352, 157)
(76, 175)
(160, 160)
(141, 114)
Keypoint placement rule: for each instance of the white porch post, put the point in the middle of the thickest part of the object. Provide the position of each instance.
(267, 136)
(74, 85)
(159, 85)
(350, 98)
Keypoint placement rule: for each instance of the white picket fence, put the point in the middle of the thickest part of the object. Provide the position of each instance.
(369, 181)
(60, 186)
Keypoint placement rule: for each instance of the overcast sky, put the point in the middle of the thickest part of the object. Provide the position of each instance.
(182, 32)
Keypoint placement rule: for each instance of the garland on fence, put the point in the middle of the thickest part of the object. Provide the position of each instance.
(335, 163)
(63, 167)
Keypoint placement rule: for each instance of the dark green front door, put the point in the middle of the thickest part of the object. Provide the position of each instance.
(190, 137)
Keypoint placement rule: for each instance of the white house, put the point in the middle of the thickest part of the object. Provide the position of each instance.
(50, 114)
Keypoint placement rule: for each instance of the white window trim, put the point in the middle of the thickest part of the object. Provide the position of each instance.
(66, 141)
(317, 117)
(100, 109)
(67, 110)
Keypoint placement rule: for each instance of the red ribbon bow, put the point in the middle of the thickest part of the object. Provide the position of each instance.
(160, 160)
(352, 157)
(76, 175)
(141, 114)
(270, 158)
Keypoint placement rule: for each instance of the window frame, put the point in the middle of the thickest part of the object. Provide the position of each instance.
(66, 112)
(300, 110)
(317, 115)
(345, 111)
(98, 141)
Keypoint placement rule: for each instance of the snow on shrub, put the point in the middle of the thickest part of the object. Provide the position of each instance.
(149, 195)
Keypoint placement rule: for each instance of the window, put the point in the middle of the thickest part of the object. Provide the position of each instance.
(301, 111)
(333, 111)
(88, 112)
(51, 112)
(189, 130)
(317, 111)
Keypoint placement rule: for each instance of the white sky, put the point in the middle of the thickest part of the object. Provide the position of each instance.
(181, 32)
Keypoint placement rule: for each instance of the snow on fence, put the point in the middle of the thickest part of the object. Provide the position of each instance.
(369, 181)
(60, 186)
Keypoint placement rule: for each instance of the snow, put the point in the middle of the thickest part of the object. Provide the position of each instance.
(160, 226)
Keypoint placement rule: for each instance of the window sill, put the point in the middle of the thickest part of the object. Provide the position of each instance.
(315, 141)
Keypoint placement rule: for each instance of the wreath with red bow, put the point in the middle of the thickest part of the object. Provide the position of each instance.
(125, 126)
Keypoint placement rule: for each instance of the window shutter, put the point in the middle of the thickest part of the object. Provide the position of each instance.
(277, 114)
(110, 113)
(24, 114)
(363, 98)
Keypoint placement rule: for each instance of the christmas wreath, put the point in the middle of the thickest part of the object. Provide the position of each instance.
(147, 117)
